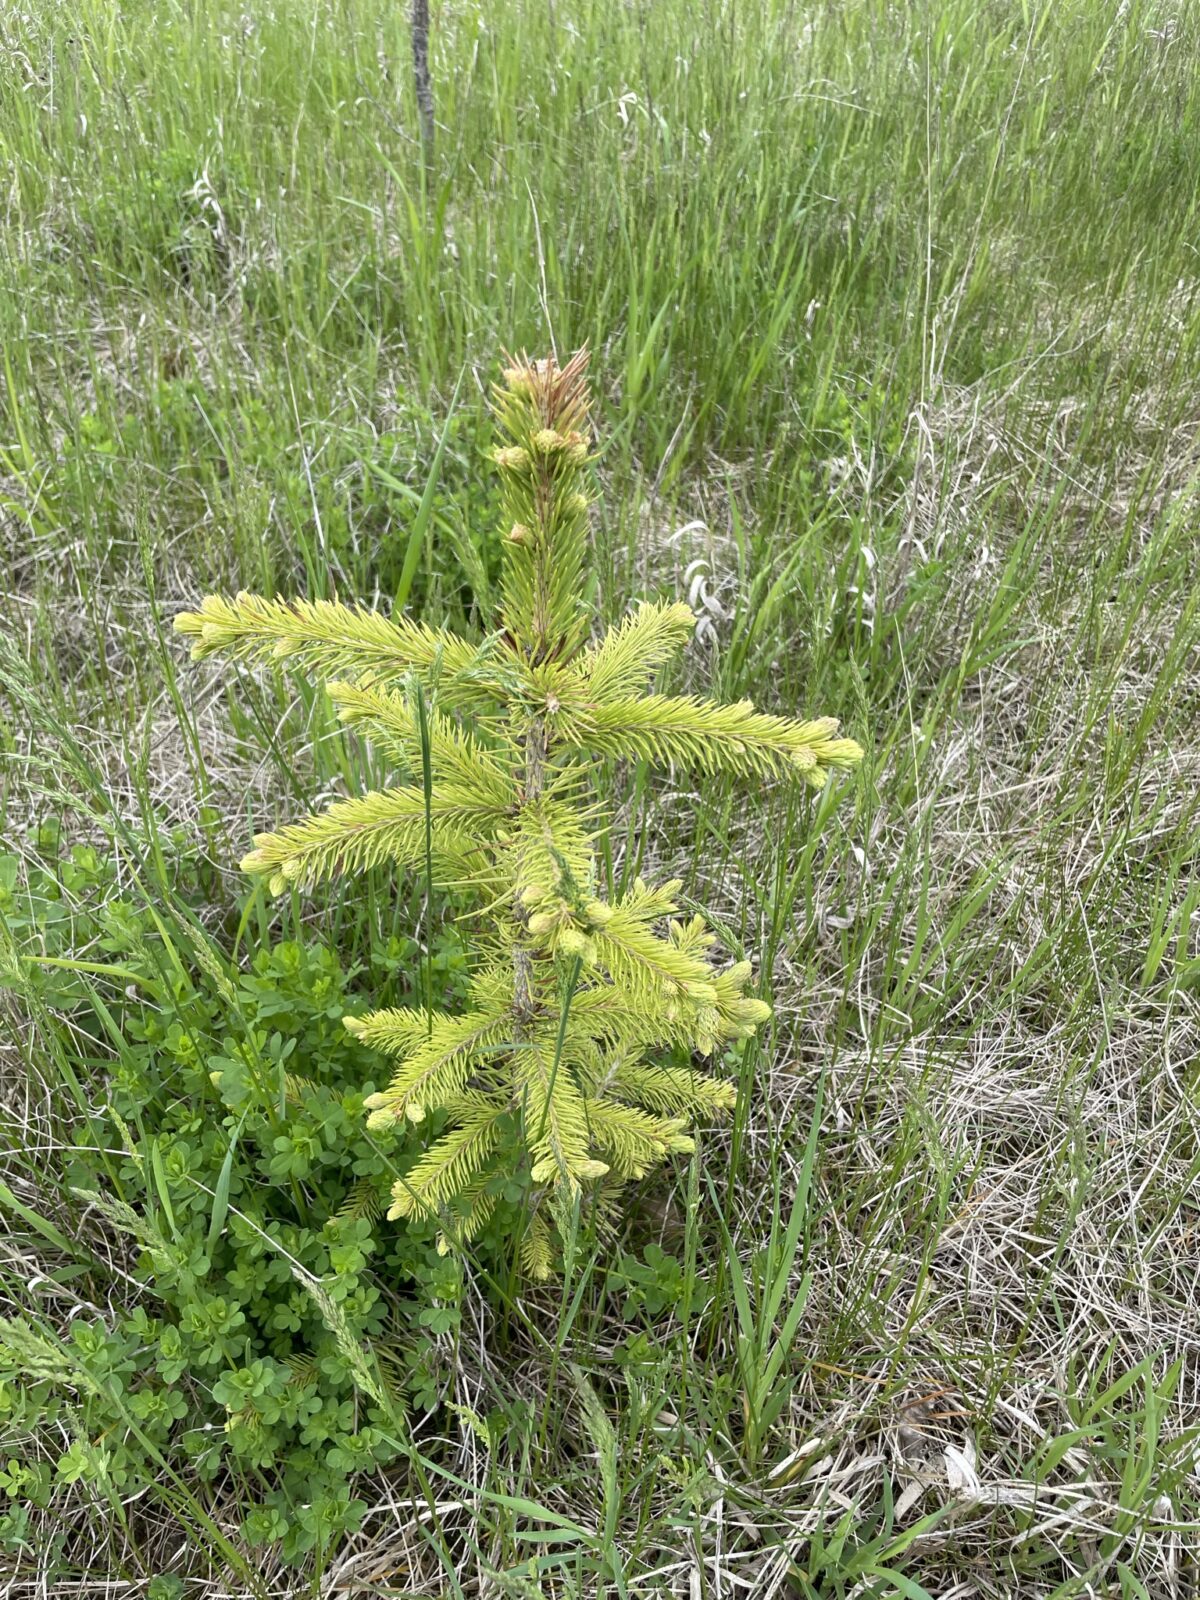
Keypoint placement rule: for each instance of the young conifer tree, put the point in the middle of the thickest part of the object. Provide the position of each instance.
(565, 1068)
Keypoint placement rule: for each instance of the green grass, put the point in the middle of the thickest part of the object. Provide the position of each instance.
(895, 323)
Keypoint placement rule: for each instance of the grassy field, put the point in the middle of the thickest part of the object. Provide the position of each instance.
(895, 322)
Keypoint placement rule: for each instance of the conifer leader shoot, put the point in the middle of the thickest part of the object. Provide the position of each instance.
(558, 1071)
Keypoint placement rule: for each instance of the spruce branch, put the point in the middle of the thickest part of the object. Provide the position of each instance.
(678, 1090)
(388, 719)
(323, 637)
(711, 737)
(450, 1165)
(387, 825)
(537, 1247)
(632, 1140)
(623, 662)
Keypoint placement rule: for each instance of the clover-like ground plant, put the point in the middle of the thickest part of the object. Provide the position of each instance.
(576, 1063)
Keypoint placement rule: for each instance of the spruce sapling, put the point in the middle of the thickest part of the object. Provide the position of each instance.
(575, 1061)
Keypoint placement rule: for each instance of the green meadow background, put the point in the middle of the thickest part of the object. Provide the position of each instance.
(894, 315)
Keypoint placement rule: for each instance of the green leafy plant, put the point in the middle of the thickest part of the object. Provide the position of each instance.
(656, 1283)
(564, 1068)
(220, 1148)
